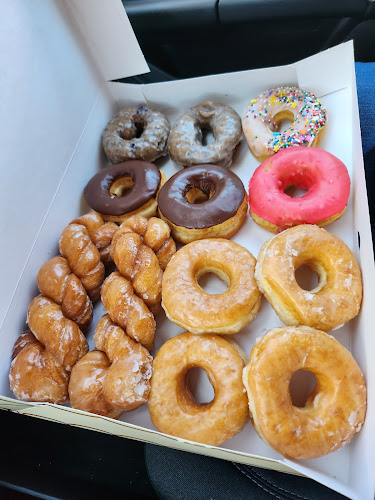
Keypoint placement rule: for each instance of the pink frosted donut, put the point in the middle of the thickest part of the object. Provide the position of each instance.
(323, 175)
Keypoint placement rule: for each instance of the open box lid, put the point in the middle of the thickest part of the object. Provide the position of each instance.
(56, 57)
(52, 85)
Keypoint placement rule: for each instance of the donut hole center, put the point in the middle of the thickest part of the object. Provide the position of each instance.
(207, 136)
(281, 121)
(301, 387)
(308, 277)
(196, 195)
(294, 191)
(133, 132)
(199, 386)
(121, 187)
(213, 281)
(139, 128)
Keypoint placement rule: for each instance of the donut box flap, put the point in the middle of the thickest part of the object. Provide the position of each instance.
(61, 109)
(109, 37)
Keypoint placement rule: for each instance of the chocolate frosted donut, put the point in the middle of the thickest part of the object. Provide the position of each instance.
(205, 201)
(136, 134)
(123, 190)
(185, 140)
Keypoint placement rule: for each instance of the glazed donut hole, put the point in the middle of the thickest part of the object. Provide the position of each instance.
(303, 389)
(310, 276)
(196, 388)
(309, 390)
(212, 281)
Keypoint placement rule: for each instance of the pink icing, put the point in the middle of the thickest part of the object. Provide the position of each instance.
(323, 175)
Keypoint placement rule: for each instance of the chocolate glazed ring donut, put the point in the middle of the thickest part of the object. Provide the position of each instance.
(205, 201)
(185, 140)
(136, 134)
(126, 189)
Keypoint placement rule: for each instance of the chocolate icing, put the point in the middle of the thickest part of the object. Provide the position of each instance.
(146, 178)
(227, 191)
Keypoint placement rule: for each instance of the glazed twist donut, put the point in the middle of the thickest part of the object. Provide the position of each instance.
(156, 234)
(124, 378)
(100, 232)
(83, 258)
(139, 264)
(127, 383)
(41, 363)
(86, 385)
(43, 359)
(127, 310)
(56, 281)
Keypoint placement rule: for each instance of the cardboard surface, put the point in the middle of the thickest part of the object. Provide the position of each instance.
(83, 104)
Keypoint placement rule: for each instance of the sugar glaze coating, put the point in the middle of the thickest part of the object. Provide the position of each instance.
(333, 412)
(172, 407)
(185, 140)
(189, 306)
(338, 296)
(120, 141)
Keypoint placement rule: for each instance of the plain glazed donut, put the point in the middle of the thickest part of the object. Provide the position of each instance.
(221, 207)
(323, 175)
(263, 115)
(172, 407)
(333, 412)
(336, 299)
(189, 306)
(185, 140)
(123, 190)
(136, 134)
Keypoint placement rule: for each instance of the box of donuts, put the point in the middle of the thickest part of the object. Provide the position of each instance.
(190, 262)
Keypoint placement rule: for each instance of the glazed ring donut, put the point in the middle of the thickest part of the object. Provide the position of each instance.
(189, 306)
(185, 140)
(323, 175)
(221, 203)
(172, 407)
(136, 134)
(333, 412)
(123, 190)
(264, 114)
(336, 299)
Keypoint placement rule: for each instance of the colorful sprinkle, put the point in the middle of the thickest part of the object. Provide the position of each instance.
(310, 115)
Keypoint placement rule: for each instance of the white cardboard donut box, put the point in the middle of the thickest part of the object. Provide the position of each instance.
(58, 58)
